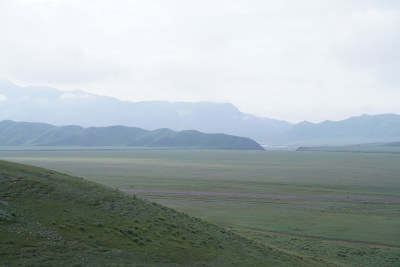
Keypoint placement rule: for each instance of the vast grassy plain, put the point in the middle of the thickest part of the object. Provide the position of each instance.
(345, 208)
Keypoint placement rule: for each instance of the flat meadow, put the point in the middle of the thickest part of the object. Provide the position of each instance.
(338, 206)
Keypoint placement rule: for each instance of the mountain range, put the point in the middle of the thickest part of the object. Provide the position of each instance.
(355, 130)
(42, 134)
(48, 105)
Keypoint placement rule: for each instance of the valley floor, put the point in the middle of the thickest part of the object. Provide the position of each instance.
(340, 208)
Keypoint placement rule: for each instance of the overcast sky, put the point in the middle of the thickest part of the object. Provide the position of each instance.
(289, 59)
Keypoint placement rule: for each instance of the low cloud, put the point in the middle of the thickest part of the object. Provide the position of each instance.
(77, 96)
(286, 59)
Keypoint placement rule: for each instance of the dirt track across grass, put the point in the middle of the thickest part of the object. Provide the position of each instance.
(266, 196)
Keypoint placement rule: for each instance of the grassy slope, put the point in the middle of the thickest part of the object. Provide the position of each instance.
(49, 218)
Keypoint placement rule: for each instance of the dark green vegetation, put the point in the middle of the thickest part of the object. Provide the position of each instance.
(356, 130)
(42, 134)
(51, 219)
(344, 232)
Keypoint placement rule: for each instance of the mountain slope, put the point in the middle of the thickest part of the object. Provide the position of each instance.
(51, 219)
(355, 130)
(80, 108)
(41, 134)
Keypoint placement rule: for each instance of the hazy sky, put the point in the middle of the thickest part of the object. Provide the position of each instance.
(288, 59)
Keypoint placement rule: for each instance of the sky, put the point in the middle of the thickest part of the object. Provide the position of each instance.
(291, 60)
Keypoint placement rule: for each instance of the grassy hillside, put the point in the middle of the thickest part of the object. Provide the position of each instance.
(52, 219)
(41, 134)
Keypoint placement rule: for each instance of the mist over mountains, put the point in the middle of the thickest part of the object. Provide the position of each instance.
(355, 130)
(43, 104)
(48, 105)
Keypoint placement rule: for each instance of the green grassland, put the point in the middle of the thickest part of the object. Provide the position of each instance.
(286, 172)
(363, 233)
(393, 147)
(51, 219)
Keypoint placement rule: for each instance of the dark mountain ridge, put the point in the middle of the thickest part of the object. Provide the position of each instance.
(42, 134)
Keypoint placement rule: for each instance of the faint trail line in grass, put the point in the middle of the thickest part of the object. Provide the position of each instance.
(266, 196)
(341, 241)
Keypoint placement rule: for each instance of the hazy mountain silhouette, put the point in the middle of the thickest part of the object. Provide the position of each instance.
(355, 130)
(42, 134)
(43, 104)
(57, 107)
